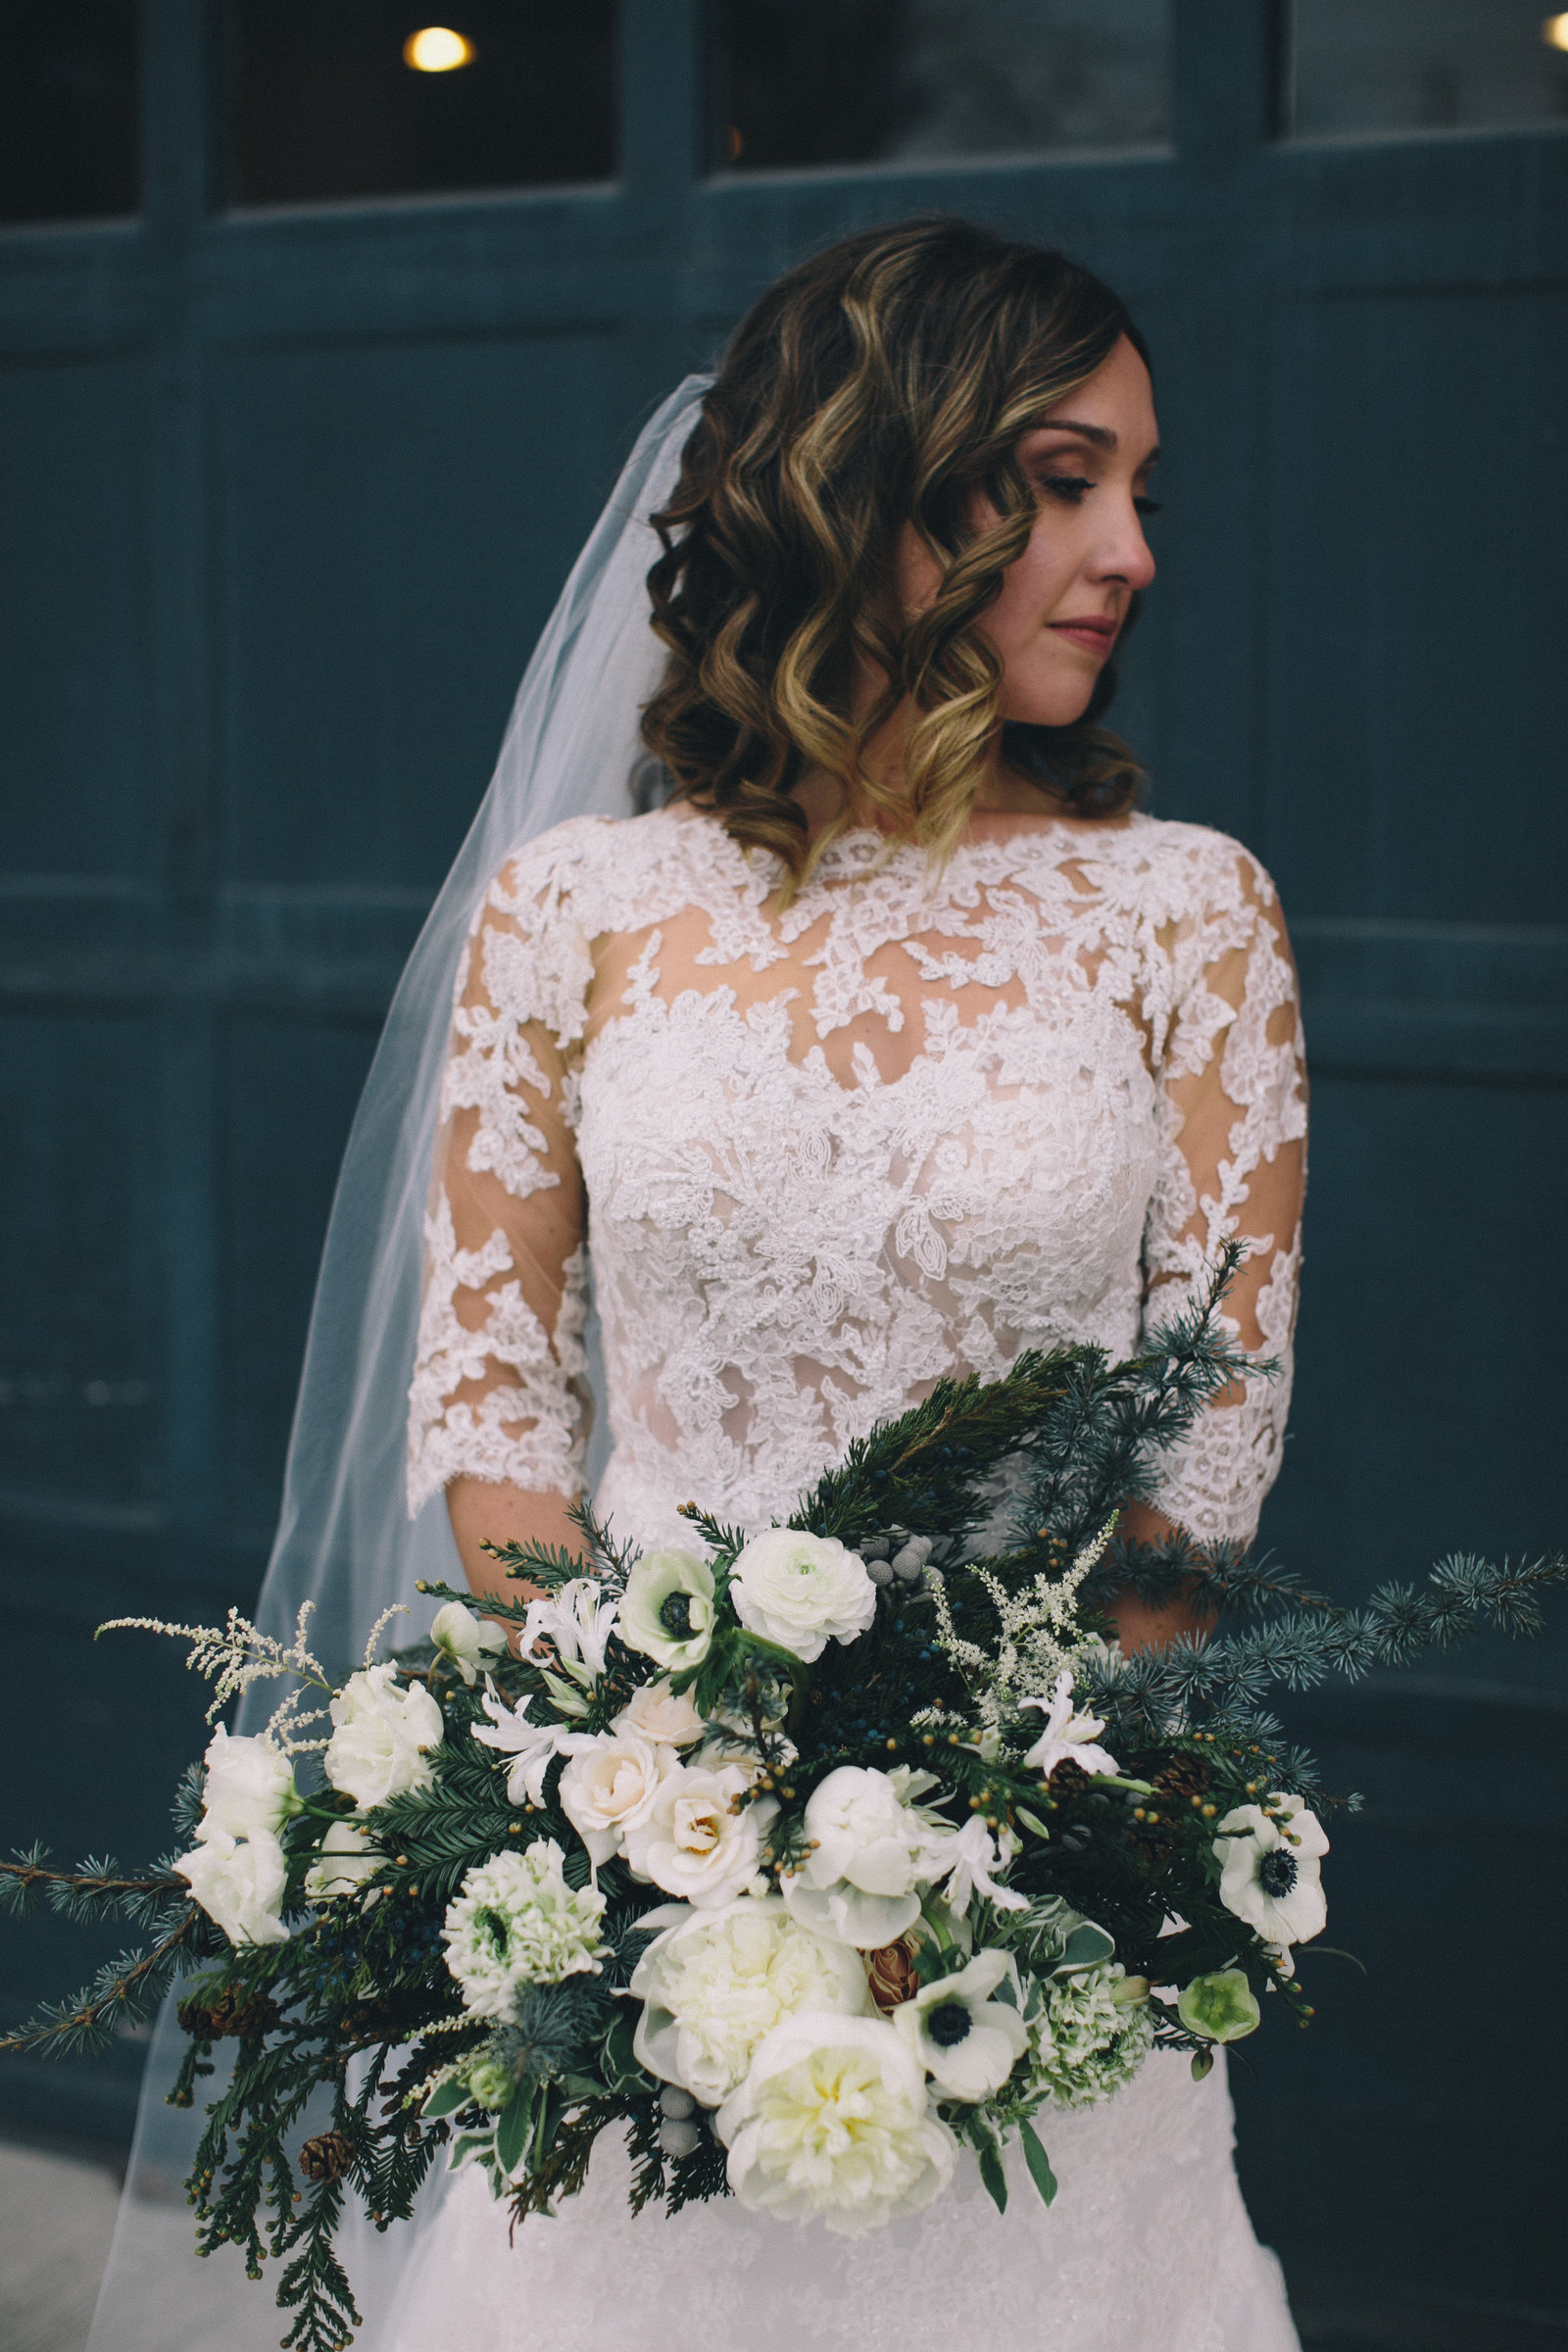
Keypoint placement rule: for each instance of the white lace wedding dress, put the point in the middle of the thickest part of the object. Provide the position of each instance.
(909, 1126)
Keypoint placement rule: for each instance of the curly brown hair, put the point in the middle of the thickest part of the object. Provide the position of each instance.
(884, 381)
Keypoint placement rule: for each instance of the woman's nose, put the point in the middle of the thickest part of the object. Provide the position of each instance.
(1125, 555)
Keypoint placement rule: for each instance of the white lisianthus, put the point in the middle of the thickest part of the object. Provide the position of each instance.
(239, 1884)
(700, 1841)
(667, 1611)
(802, 1590)
(968, 2042)
(657, 1713)
(875, 1847)
(346, 1861)
(465, 1640)
(249, 1788)
(1272, 1877)
(968, 1861)
(516, 1922)
(1067, 1738)
(833, 2124)
(609, 1788)
(532, 1746)
(579, 1621)
(717, 1982)
(383, 1729)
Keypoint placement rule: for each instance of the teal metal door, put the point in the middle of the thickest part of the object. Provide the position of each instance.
(289, 485)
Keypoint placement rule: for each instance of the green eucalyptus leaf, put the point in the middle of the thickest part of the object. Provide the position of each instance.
(1039, 2163)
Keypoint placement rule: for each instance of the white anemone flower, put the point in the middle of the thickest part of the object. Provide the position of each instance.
(1272, 1877)
(968, 2042)
(667, 1612)
(1067, 1738)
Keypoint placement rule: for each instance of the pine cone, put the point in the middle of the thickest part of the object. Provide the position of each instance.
(1184, 1777)
(244, 2016)
(892, 1975)
(1069, 1778)
(325, 2156)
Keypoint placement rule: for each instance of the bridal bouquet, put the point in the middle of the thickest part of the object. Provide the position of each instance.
(807, 1861)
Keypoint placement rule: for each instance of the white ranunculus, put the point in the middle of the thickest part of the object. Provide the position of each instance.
(465, 1640)
(383, 1729)
(655, 1710)
(718, 1981)
(833, 2124)
(875, 1847)
(514, 1922)
(967, 2042)
(239, 1884)
(802, 1590)
(347, 1860)
(700, 1841)
(1067, 1738)
(667, 1611)
(610, 1785)
(1272, 1877)
(249, 1788)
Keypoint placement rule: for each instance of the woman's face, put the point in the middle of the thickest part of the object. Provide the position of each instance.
(1063, 602)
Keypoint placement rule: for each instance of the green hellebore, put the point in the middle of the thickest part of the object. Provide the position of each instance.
(1221, 2007)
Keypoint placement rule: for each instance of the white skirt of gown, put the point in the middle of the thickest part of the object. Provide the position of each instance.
(1148, 2248)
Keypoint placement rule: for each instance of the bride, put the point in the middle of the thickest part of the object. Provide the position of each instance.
(895, 1042)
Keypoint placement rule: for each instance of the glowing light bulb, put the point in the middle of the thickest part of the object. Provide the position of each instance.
(437, 49)
(1555, 32)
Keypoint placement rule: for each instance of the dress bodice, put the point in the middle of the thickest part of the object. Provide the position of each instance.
(910, 1124)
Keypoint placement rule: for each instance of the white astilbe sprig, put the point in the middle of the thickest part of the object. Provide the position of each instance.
(1038, 1633)
(235, 1654)
(376, 1631)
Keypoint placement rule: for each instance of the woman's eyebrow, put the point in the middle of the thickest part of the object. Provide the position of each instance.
(1100, 434)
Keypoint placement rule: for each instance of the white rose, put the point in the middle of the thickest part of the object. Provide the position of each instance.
(875, 1847)
(717, 1982)
(249, 1787)
(610, 1785)
(833, 2124)
(655, 1710)
(1272, 1877)
(667, 1611)
(968, 2042)
(377, 1750)
(347, 1859)
(239, 1884)
(467, 1640)
(698, 1842)
(802, 1590)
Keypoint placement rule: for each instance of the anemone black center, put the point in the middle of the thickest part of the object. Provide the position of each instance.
(948, 2024)
(675, 1615)
(1277, 1872)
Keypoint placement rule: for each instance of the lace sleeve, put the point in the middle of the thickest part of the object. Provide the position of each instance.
(500, 1390)
(1232, 1120)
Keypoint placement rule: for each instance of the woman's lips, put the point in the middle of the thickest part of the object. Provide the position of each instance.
(1094, 636)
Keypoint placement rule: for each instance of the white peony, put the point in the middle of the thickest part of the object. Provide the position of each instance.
(514, 1922)
(1272, 1877)
(833, 2124)
(655, 1710)
(968, 2042)
(239, 1884)
(667, 1611)
(465, 1640)
(249, 1788)
(383, 1729)
(875, 1847)
(802, 1590)
(717, 1982)
(347, 1859)
(700, 1841)
(609, 1787)
(1067, 1738)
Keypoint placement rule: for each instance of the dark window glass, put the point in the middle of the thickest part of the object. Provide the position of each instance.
(858, 81)
(326, 105)
(68, 110)
(1427, 65)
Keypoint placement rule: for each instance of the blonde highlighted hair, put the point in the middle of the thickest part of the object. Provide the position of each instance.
(885, 380)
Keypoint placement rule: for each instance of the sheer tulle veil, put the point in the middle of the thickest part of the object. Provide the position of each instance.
(345, 1542)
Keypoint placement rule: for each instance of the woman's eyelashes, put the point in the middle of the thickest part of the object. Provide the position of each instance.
(1069, 488)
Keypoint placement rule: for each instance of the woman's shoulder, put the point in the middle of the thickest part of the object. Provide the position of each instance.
(1194, 869)
(616, 871)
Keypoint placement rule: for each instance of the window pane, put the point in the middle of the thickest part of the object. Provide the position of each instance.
(68, 110)
(1425, 65)
(855, 82)
(326, 103)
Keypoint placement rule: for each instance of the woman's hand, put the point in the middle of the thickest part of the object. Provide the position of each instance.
(482, 1513)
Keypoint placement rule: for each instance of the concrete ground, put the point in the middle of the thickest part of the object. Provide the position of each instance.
(57, 2216)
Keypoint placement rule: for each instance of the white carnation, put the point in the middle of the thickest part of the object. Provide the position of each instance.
(239, 1884)
(833, 2124)
(516, 1922)
(875, 1847)
(249, 1788)
(718, 1981)
(611, 1785)
(700, 1841)
(383, 1729)
(802, 1590)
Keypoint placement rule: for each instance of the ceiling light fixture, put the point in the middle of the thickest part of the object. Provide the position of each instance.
(437, 49)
